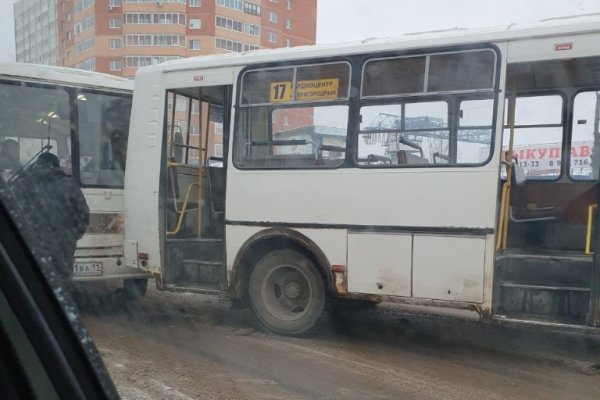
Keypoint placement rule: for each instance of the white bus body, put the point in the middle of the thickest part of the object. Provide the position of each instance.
(405, 210)
(75, 112)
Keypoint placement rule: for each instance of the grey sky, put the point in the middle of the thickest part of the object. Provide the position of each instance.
(343, 20)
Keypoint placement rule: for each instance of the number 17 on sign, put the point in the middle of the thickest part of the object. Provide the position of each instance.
(280, 91)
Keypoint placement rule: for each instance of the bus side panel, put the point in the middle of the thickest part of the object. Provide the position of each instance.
(553, 48)
(449, 267)
(444, 198)
(380, 263)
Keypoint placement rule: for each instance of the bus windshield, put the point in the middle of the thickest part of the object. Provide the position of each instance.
(86, 129)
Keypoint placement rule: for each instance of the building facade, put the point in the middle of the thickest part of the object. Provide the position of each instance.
(119, 36)
(36, 31)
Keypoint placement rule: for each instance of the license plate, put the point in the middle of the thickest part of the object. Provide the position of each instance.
(87, 269)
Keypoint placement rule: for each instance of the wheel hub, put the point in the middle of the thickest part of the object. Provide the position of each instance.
(292, 290)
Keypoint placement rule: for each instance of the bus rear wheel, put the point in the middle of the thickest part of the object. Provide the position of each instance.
(135, 288)
(287, 293)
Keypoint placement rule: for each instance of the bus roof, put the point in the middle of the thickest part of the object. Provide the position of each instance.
(64, 75)
(578, 24)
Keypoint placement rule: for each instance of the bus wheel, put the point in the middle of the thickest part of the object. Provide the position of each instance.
(287, 293)
(135, 288)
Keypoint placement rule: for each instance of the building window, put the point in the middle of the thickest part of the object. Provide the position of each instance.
(239, 26)
(142, 61)
(272, 16)
(155, 40)
(251, 29)
(230, 45)
(272, 37)
(84, 46)
(114, 23)
(233, 4)
(89, 64)
(195, 3)
(81, 5)
(288, 43)
(154, 18)
(138, 40)
(115, 44)
(115, 65)
(250, 8)
(195, 23)
(230, 24)
(288, 24)
(289, 4)
(194, 44)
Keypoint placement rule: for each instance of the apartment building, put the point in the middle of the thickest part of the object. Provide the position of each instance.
(35, 31)
(119, 36)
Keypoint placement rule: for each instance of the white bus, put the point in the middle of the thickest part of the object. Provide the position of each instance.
(376, 171)
(83, 118)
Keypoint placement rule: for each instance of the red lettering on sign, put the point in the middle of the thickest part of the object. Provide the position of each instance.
(530, 154)
(573, 151)
(542, 152)
(198, 78)
(584, 151)
(555, 152)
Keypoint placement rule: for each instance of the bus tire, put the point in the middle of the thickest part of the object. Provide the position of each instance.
(288, 294)
(135, 288)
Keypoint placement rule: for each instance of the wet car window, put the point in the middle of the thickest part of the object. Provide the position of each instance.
(333, 216)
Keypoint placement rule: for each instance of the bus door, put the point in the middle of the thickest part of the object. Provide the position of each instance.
(193, 188)
(545, 271)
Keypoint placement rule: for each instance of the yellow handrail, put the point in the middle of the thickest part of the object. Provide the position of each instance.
(588, 236)
(502, 232)
(183, 209)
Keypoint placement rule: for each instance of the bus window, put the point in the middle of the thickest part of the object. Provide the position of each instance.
(404, 134)
(34, 119)
(293, 117)
(474, 131)
(413, 111)
(585, 149)
(103, 122)
(393, 77)
(538, 136)
(461, 71)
